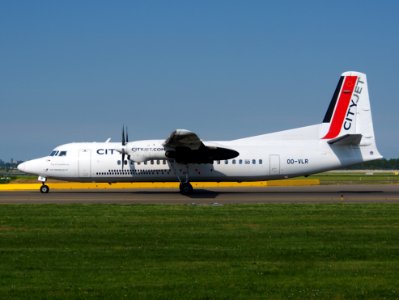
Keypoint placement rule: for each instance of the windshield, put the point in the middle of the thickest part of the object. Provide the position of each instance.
(58, 153)
(54, 153)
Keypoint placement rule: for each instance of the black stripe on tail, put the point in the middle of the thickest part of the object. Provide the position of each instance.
(327, 117)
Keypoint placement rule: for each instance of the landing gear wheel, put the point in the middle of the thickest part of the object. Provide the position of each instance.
(44, 189)
(186, 188)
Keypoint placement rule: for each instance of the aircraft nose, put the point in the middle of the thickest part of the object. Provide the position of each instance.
(35, 166)
(22, 167)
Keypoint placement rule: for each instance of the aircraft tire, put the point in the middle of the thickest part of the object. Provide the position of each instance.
(44, 189)
(186, 188)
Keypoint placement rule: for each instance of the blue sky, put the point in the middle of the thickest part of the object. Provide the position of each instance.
(79, 70)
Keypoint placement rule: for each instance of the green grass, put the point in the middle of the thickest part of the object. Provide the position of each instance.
(199, 252)
(354, 177)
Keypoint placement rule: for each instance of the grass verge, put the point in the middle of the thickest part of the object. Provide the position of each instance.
(234, 251)
(353, 177)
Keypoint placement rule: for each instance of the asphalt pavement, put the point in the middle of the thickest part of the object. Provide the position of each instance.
(302, 194)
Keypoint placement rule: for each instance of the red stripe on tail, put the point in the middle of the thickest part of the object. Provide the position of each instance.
(342, 107)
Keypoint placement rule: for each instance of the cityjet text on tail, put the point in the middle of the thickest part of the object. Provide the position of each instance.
(345, 137)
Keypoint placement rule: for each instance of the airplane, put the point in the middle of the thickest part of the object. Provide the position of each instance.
(345, 137)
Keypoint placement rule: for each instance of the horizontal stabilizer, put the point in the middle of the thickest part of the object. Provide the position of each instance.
(347, 139)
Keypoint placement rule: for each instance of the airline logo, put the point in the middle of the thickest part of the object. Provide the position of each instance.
(342, 110)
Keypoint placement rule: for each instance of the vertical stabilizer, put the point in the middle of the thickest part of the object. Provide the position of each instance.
(349, 114)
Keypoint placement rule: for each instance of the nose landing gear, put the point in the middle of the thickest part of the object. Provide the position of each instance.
(44, 189)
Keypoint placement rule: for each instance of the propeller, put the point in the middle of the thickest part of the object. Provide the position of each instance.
(125, 140)
(127, 136)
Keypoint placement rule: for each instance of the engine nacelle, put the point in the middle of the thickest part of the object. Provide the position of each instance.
(203, 155)
(141, 153)
(142, 156)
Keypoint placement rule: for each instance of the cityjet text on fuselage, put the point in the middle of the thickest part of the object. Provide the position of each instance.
(106, 151)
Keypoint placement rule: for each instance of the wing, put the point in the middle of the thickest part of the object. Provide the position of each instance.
(183, 138)
(186, 147)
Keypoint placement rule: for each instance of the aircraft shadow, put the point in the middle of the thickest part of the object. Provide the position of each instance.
(198, 193)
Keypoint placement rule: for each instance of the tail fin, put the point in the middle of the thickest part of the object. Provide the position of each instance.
(348, 117)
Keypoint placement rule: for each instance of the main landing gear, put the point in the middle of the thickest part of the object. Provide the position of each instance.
(186, 188)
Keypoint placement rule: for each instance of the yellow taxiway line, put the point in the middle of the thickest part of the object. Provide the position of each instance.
(152, 185)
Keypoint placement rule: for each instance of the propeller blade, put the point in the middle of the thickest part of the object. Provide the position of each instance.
(123, 136)
(125, 140)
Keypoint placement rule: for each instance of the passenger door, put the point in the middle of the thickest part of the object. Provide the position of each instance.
(274, 164)
(84, 163)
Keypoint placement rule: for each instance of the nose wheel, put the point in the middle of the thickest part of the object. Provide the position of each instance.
(44, 189)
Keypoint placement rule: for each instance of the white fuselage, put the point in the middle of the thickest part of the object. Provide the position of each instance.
(260, 158)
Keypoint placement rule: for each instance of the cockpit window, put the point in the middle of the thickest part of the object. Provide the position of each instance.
(53, 153)
(58, 153)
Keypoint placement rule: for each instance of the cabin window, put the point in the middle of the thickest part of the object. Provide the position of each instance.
(158, 162)
(164, 161)
(254, 161)
(234, 161)
(118, 162)
(260, 161)
(218, 162)
(226, 162)
(240, 161)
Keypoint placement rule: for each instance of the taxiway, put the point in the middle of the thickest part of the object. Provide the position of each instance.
(302, 194)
